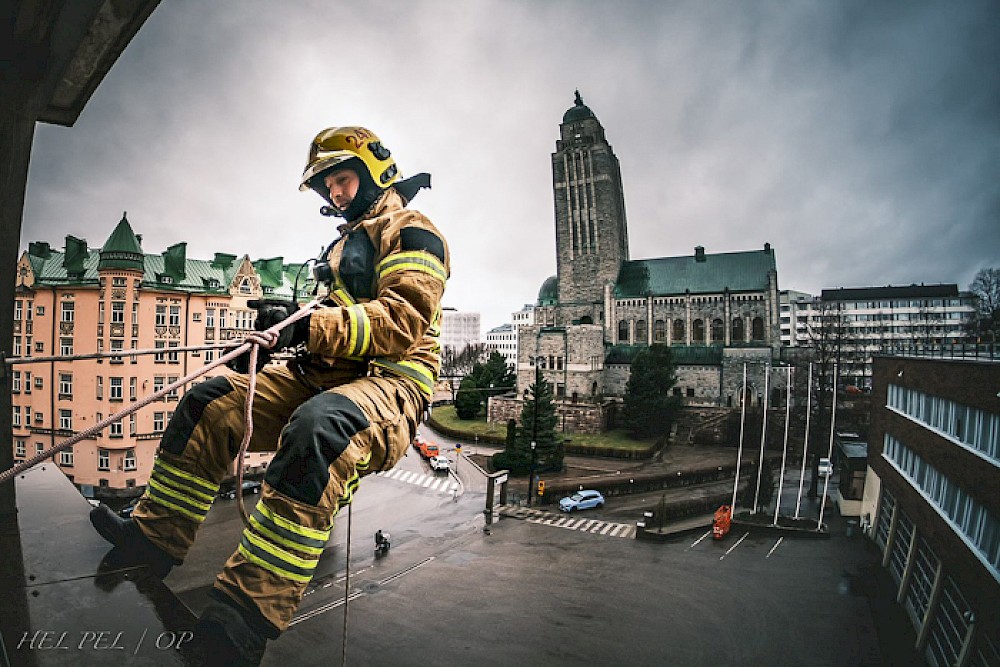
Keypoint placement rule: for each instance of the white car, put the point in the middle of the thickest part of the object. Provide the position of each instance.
(440, 464)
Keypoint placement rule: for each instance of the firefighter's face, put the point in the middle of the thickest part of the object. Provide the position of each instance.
(342, 184)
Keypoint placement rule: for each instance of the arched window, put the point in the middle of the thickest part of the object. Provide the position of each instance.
(758, 328)
(246, 286)
(718, 332)
(659, 331)
(678, 332)
(586, 319)
(640, 332)
(698, 331)
(622, 331)
(737, 335)
(593, 389)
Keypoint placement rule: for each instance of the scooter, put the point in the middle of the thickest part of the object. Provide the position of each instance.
(381, 544)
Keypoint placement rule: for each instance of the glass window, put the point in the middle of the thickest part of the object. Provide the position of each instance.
(66, 420)
(65, 384)
(67, 312)
(103, 459)
(116, 389)
(128, 460)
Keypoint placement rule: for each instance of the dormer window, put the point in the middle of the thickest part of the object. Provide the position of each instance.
(166, 280)
(268, 290)
(246, 287)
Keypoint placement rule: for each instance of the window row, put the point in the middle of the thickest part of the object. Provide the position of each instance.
(973, 427)
(968, 517)
(678, 330)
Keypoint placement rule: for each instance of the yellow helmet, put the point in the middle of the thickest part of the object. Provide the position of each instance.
(339, 144)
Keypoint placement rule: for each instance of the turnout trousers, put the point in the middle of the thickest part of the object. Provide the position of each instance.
(330, 427)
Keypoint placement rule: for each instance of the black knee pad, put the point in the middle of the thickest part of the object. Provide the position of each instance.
(317, 433)
(189, 412)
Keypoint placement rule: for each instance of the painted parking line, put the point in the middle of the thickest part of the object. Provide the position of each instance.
(695, 543)
(774, 547)
(735, 545)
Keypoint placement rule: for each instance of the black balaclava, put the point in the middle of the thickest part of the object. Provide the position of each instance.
(368, 192)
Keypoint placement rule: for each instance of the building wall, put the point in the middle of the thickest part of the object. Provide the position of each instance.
(938, 503)
(119, 459)
(459, 330)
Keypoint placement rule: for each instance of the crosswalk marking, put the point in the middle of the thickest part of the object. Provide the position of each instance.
(429, 482)
(583, 525)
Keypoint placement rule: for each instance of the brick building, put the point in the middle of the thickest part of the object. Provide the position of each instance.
(932, 500)
(118, 298)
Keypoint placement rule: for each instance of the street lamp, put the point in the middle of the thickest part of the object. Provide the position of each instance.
(534, 426)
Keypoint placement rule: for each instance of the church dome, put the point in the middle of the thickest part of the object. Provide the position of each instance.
(579, 111)
(548, 295)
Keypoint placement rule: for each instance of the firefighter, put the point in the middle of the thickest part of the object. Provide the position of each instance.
(347, 405)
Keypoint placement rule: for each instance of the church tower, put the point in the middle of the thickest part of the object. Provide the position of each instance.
(591, 232)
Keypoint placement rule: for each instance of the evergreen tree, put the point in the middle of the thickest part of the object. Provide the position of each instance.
(538, 425)
(468, 402)
(494, 376)
(649, 410)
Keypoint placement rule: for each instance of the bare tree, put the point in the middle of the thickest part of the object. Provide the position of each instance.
(456, 364)
(985, 287)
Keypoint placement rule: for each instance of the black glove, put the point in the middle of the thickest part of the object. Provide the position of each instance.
(269, 313)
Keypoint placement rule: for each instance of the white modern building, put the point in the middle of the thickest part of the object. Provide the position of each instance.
(459, 330)
(856, 323)
(503, 339)
(793, 316)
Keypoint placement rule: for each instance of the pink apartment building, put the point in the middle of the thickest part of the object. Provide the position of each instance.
(115, 299)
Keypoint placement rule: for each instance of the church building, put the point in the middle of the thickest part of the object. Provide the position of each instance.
(716, 311)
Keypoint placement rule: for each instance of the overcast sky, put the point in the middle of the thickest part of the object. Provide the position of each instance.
(861, 139)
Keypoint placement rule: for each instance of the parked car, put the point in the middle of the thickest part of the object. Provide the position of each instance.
(582, 500)
(428, 449)
(440, 464)
(249, 486)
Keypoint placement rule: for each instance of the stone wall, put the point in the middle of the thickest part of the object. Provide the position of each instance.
(580, 417)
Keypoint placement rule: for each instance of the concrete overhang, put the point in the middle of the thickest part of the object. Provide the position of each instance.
(68, 46)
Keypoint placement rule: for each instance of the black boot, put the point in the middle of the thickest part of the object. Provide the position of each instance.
(131, 546)
(225, 636)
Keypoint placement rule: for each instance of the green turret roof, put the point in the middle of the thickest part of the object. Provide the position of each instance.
(122, 249)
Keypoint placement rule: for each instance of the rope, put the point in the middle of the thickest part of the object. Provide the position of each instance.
(268, 337)
(10, 361)
(251, 342)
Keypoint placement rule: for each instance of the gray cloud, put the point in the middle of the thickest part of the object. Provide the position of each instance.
(859, 138)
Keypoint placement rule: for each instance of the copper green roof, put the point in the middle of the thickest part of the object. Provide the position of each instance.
(194, 275)
(700, 274)
(121, 250)
(548, 295)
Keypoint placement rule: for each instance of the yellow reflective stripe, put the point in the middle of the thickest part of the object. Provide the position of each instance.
(169, 480)
(342, 296)
(271, 567)
(416, 372)
(359, 331)
(413, 260)
(174, 506)
(163, 488)
(208, 486)
(279, 553)
(364, 462)
(291, 526)
(278, 539)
